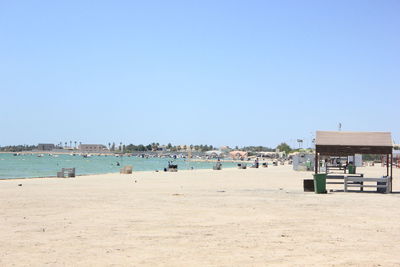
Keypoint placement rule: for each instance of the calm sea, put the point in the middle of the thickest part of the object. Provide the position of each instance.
(24, 166)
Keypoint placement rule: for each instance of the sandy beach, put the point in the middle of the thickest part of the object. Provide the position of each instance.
(253, 217)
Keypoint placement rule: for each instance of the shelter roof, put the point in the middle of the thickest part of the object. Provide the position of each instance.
(349, 143)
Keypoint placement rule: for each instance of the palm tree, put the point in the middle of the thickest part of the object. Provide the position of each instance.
(70, 144)
(75, 144)
(65, 144)
(120, 146)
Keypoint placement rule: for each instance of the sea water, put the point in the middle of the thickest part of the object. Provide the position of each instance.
(30, 165)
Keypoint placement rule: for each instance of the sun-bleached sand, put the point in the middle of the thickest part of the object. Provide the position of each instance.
(253, 217)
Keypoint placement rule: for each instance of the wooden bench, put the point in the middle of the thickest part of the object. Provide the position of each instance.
(384, 182)
(66, 172)
(126, 170)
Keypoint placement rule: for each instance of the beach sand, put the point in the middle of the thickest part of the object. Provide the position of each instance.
(253, 217)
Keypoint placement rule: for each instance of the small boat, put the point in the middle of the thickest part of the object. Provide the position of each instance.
(40, 155)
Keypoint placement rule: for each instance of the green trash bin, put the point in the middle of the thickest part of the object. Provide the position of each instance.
(320, 183)
(352, 169)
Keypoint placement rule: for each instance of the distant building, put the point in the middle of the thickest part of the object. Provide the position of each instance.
(238, 154)
(162, 148)
(46, 147)
(303, 161)
(396, 154)
(93, 148)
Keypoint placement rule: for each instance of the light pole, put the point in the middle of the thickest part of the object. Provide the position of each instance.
(300, 141)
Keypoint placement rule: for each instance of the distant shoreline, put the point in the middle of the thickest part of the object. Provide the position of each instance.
(226, 163)
(261, 160)
(54, 176)
(56, 152)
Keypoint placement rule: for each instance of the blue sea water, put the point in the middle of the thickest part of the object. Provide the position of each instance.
(26, 166)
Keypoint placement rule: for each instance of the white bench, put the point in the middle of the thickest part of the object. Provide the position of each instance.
(351, 181)
(340, 177)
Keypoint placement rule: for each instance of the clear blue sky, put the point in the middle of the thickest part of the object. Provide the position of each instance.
(191, 72)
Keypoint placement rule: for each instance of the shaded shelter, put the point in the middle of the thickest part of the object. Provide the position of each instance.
(214, 153)
(333, 143)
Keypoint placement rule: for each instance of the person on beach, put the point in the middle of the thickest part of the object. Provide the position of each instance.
(219, 164)
(256, 163)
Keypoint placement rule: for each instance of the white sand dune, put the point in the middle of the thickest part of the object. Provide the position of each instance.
(253, 217)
